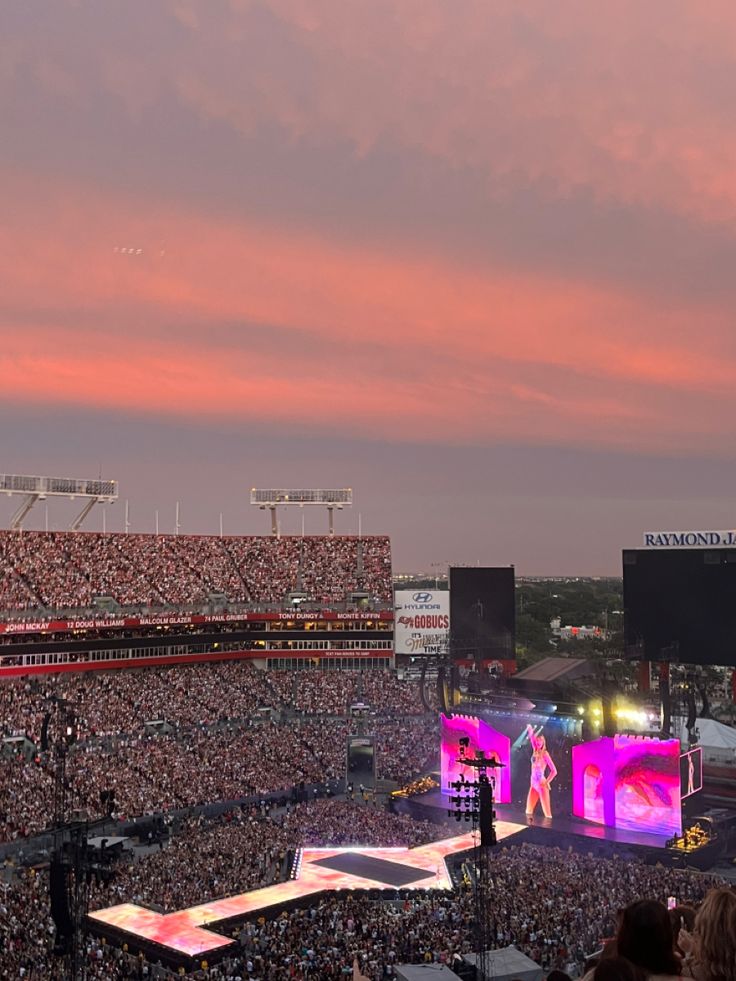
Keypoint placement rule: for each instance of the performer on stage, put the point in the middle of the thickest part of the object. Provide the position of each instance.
(539, 783)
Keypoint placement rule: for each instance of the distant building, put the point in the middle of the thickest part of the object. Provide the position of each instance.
(576, 633)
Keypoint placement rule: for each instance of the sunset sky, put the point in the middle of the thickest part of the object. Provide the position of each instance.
(474, 259)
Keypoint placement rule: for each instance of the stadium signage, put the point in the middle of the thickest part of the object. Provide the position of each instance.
(689, 539)
(421, 622)
(417, 601)
(124, 623)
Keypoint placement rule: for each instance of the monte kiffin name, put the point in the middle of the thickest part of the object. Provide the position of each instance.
(689, 539)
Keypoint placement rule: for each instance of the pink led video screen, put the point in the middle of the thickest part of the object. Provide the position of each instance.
(494, 744)
(691, 772)
(630, 783)
(534, 748)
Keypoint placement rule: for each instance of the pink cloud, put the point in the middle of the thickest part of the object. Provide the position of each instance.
(366, 334)
(627, 103)
(370, 341)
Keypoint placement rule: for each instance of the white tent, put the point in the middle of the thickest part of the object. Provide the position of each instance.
(508, 964)
(425, 972)
(715, 735)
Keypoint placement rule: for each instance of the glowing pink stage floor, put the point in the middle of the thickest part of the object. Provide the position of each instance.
(184, 933)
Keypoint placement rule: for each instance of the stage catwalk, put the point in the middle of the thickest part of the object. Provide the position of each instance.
(184, 934)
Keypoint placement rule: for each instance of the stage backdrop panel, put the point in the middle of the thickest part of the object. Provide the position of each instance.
(482, 737)
(629, 782)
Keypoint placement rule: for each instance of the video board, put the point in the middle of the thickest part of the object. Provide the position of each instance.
(629, 782)
(483, 613)
(532, 748)
(680, 604)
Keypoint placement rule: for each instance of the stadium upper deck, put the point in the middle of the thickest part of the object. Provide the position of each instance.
(51, 572)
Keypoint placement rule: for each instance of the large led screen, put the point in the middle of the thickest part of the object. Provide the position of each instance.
(691, 772)
(629, 782)
(679, 604)
(481, 737)
(540, 761)
(537, 776)
(483, 612)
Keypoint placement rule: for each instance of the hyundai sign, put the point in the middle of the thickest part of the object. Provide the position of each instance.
(689, 539)
(421, 621)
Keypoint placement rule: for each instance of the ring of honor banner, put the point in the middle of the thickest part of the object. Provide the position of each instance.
(421, 622)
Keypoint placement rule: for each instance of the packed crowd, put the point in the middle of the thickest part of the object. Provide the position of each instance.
(111, 702)
(324, 941)
(68, 570)
(406, 747)
(316, 693)
(381, 692)
(557, 907)
(163, 773)
(107, 702)
(156, 773)
(403, 747)
(324, 568)
(205, 860)
(344, 822)
(212, 754)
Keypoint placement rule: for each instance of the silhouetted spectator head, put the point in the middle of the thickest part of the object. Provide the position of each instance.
(645, 938)
(558, 976)
(618, 969)
(715, 936)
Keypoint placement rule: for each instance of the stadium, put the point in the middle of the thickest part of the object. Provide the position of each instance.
(250, 756)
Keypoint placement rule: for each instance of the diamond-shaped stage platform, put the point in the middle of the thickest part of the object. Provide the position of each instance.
(369, 867)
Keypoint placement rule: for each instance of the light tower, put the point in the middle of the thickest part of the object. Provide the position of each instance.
(34, 489)
(269, 499)
(473, 801)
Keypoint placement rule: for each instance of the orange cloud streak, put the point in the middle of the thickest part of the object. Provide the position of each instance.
(377, 343)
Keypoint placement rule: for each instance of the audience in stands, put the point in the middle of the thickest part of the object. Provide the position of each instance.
(158, 773)
(213, 752)
(380, 691)
(311, 696)
(206, 860)
(111, 702)
(69, 570)
(344, 822)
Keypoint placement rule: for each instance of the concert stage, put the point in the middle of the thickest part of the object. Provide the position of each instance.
(183, 937)
(433, 806)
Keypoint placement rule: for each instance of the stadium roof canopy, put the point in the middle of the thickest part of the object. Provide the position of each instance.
(555, 670)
